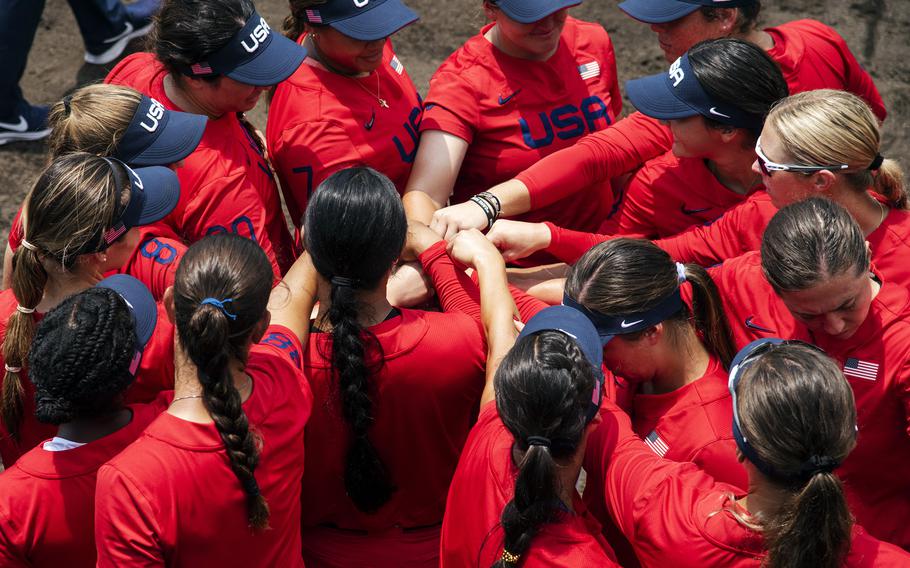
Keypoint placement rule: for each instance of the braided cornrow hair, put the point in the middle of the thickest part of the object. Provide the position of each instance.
(231, 268)
(355, 228)
(543, 389)
(80, 358)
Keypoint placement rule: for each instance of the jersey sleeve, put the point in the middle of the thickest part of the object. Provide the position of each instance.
(305, 155)
(283, 342)
(856, 79)
(154, 263)
(636, 214)
(125, 529)
(718, 459)
(596, 157)
(455, 289)
(737, 231)
(229, 204)
(10, 536)
(451, 106)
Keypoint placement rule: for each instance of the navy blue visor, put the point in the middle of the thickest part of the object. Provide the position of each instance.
(364, 20)
(158, 137)
(142, 305)
(609, 327)
(663, 11)
(530, 11)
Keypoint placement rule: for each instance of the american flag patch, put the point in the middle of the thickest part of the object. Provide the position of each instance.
(313, 16)
(589, 70)
(396, 65)
(114, 233)
(861, 369)
(655, 443)
(200, 68)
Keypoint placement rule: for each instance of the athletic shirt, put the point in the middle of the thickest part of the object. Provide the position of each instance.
(674, 514)
(321, 122)
(226, 184)
(171, 497)
(154, 262)
(425, 396)
(670, 194)
(155, 374)
(47, 499)
(811, 56)
(512, 112)
(483, 484)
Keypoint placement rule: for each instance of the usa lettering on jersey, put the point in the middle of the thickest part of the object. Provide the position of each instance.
(565, 122)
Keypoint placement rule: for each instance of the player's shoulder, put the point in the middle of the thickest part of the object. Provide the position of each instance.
(585, 32)
(808, 32)
(137, 70)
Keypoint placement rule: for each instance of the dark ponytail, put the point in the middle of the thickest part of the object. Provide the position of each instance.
(543, 391)
(627, 276)
(355, 228)
(797, 411)
(236, 273)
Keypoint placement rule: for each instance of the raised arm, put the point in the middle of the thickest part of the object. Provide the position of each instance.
(433, 176)
(292, 300)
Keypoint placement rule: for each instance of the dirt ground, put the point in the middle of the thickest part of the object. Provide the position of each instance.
(876, 30)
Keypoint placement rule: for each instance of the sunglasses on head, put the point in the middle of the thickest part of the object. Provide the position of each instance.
(768, 167)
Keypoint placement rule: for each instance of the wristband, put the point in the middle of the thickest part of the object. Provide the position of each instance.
(487, 210)
(492, 200)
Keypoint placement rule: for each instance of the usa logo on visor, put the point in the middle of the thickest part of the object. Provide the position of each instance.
(257, 36)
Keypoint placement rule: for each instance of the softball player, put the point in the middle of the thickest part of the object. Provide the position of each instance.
(375, 497)
(676, 515)
(811, 56)
(115, 121)
(235, 423)
(532, 82)
(82, 360)
(82, 219)
(814, 281)
(513, 500)
(205, 61)
(351, 103)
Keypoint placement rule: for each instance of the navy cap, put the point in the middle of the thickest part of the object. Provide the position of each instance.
(364, 20)
(609, 327)
(663, 11)
(528, 11)
(154, 192)
(141, 304)
(577, 326)
(157, 136)
(678, 94)
(255, 55)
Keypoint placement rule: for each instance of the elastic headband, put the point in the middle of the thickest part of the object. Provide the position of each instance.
(610, 326)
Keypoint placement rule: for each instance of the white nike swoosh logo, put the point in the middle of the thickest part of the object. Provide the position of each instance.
(128, 31)
(624, 325)
(712, 111)
(22, 126)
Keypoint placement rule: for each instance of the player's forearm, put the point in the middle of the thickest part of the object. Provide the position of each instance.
(419, 206)
(497, 311)
(514, 197)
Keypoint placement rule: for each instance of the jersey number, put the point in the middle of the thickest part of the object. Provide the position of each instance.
(241, 226)
(162, 253)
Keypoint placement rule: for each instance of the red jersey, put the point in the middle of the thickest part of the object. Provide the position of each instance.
(670, 194)
(813, 56)
(321, 122)
(226, 184)
(483, 484)
(425, 397)
(155, 374)
(154, 262)
(512, 112)
(155, 505)
(47, 499)
(676, 515)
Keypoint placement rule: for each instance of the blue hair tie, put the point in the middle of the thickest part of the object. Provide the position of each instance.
(220, 305)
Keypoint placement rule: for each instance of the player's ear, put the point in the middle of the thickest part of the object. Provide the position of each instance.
(823, 181)
(490, 11)
(168, 301)
(726, 19)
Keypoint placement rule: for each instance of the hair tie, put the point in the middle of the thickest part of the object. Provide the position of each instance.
(680, 272)
(876, 163)
(818, 464)
(510, 558)
(66, 104)
(343, 282)
(220, 305)
(539, 441)
(12, 369)
(24, 310)
(28, 246)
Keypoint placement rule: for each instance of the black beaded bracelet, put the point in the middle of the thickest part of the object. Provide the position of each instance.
(492, 200)
(487, 209)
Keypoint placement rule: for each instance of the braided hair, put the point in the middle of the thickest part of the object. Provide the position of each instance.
(235, 269)
(543, 392)
(355, 228)
(80, 358)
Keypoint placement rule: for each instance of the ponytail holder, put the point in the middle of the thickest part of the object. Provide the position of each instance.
(22, 309)
(510, 558)
(66, 103)
(539, 441)
(28, 246)
(818, 464)
(680, 272)
(343, 282)
(220, 305)
(876, 163)
(12, 369)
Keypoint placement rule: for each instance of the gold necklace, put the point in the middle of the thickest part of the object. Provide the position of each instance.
(241, 390)
(316, 54)
(378, 95)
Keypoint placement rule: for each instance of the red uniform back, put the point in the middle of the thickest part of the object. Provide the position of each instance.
(226, 184)
(512, 112)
